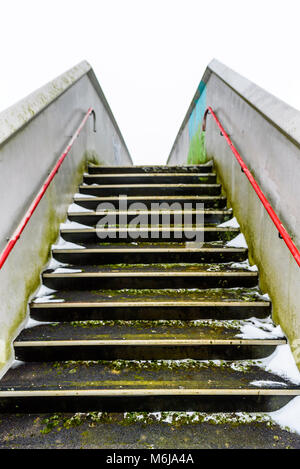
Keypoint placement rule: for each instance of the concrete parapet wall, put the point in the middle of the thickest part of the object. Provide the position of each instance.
(33, 135)
(266, 132)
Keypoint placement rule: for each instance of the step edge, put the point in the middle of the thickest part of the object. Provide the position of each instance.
(152, 392)
(148, 342)
(153, 212)
(108, 186)
(149, 274)
(129, 175)
(152, 197)
(148, 250)
(151, 304)
(203, 165)
(151, 228)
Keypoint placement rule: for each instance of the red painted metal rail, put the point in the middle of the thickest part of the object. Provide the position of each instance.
(281, 230)
(16, 235)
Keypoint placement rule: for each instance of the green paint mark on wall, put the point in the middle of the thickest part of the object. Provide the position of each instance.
(197, 152)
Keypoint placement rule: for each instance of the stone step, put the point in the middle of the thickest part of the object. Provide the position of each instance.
(209, 201)
(150, 233)
(208, 331)
(105, 255)
(169, 349)
(153, 217)
(150, 178)
(205, 168)
(147, 310)
(151, 277)
(143, 340)
(119, 386)
(150, 189)
(173, 430)
(152, 304)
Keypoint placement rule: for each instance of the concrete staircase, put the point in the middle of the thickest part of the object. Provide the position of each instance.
(145, 324)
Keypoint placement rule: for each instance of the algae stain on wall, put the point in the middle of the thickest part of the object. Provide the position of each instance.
(46, 231)
(197, 151)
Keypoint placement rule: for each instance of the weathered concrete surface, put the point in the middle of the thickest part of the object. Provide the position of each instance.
(33, 134)
(266, 132)
(106, 431)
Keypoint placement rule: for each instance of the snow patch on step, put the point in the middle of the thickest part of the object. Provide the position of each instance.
(233, 223)
(244, 265)
(86, 184)
(54, 264)
(47, 299)
(63, 270)
(33, 323)
(74, 208)
(84, 196)
(73, 225)
(288, 417)
(45, 295)
(254, 328)
(17, 363)
(263, 297)
(238, 242)
(62, 244)
(281, 363)
(44, 291)
(268, 384)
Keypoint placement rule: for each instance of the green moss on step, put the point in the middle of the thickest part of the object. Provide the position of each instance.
(162, 323)
(180, 294)
(153, 365)
(59, 421)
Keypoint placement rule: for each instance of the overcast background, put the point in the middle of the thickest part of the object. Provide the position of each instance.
(149, 55)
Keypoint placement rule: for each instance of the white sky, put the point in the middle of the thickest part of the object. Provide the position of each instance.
(149, 55)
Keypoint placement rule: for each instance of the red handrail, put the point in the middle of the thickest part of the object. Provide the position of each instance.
(16, 235)
(282, 231)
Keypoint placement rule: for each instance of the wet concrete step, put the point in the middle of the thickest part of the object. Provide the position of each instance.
(172, 296)
(150, 178)
(95, 278)
(155, 310)
(172, 430)
(147, 244)
(165, 233)
(138, 341)
(153, 269)
(153, 217)
(150, 189)
(116, 386)
(152, 255)
(92, 202)
(144, 349)
(209, 330)
(95, 169)
(161, 304)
